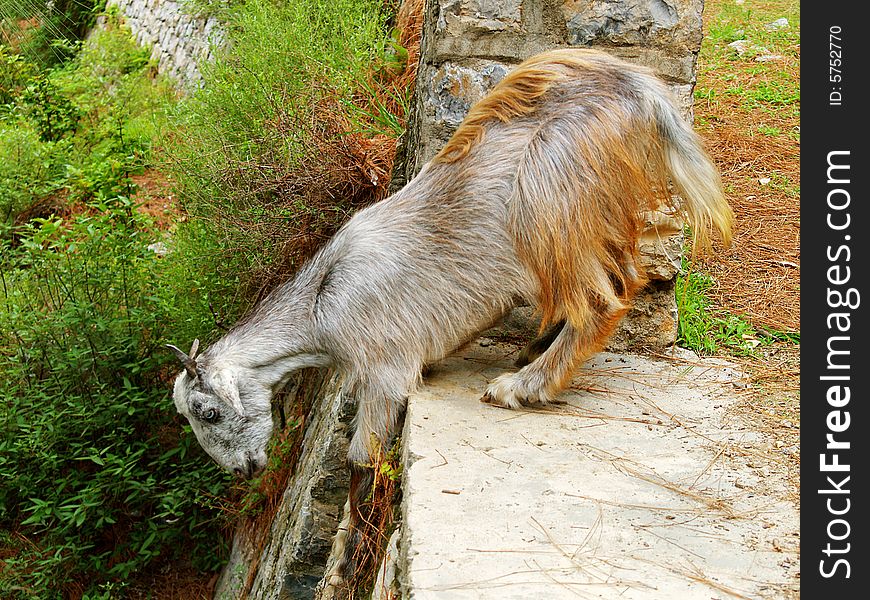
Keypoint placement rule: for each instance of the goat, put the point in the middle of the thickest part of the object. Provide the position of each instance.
(537, 198)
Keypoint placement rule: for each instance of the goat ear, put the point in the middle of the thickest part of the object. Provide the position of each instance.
(225, 384)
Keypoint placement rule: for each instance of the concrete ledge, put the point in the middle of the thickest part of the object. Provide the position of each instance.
(633, 489)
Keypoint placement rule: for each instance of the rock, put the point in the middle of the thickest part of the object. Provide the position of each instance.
(674, 24)
(290, 560)
(651, 323)
(453, 88)
(780, 23)
(741, 47)
(445, 95)
(387, 581)
(769, 58)
(159, 248)
(178, 38)
(472, 17)
(661, 246)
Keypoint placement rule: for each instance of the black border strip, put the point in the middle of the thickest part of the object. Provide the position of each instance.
(834, 300)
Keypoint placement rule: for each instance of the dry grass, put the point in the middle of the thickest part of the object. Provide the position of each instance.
(759, 276)
(342, 168)
(749, 114)
(378, 522)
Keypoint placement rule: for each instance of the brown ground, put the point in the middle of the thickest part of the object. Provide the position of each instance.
(759, 276)
(154, 192)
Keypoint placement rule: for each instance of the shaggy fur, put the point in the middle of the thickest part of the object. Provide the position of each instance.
(537, 198)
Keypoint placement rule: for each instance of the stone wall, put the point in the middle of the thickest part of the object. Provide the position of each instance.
(178, 40)
(287, 560)
(470, 45)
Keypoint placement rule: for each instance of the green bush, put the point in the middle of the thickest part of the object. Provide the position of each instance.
(100, 481)
(78, 129)
(61, 25)
(30, 168)
(256, 146)
(52, 112)
(96, 473)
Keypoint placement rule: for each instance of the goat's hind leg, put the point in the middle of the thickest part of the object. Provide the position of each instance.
(540, 381)
(539, 345)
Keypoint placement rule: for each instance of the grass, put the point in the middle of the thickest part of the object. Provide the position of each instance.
(771, 87)
(709, 330)
(743, 302)
(294, 129)
(746, 298)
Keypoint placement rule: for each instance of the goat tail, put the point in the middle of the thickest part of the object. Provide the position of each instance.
(694, 176)
(584, 181)
(576, 211)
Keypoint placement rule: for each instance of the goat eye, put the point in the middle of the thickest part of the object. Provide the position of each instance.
(210, 416)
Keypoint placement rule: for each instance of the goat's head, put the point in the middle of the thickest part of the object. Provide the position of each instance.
(229, 412)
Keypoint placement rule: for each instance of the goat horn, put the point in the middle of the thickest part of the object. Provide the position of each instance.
(187, 361)
(194, 349)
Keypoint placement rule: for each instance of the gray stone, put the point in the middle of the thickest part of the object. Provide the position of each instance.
(661, 246)
(769, 58)
(672, 24)
(507, 47)
(290, 560)
(444, 96)
(175, 35)
(619, 494)
(677, 68)
(463, 17)
(781, 23)
(453, 89)
(387, 580)
(651, 322)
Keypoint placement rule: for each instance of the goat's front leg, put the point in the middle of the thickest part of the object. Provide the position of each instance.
(349, 544)
(379, 413)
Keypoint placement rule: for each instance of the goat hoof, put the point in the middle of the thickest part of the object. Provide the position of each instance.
(509, 391)
(505, 391)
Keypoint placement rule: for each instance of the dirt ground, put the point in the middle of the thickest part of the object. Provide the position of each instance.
(751, 124)
(757, 149)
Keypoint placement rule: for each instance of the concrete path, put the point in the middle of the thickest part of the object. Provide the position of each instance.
(641, 487)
